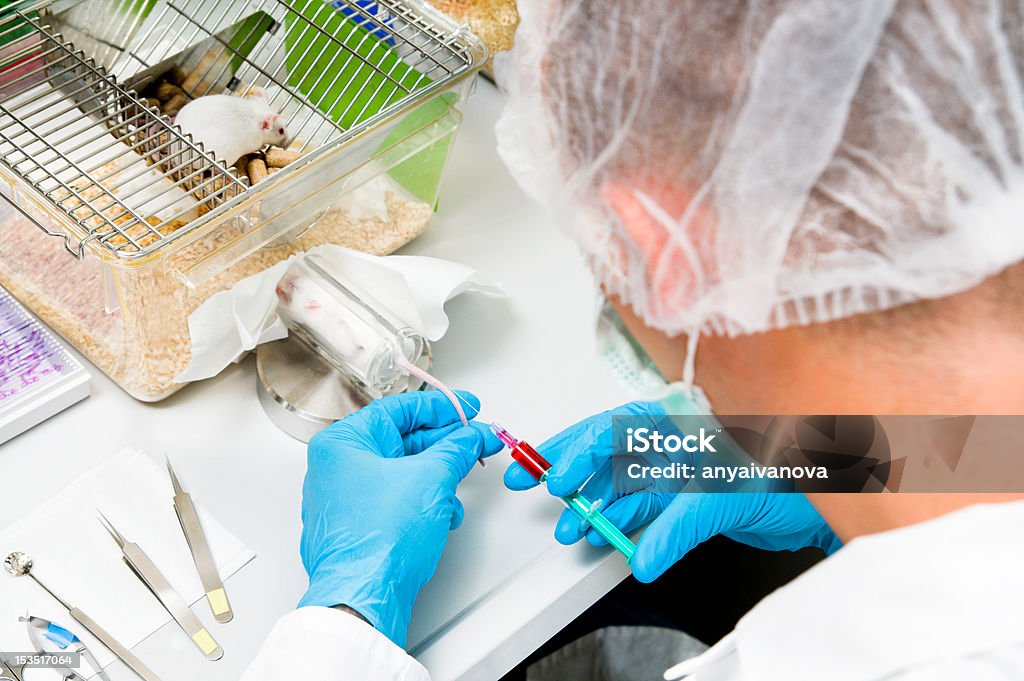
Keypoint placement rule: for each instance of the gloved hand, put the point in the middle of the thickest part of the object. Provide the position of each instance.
(582, 454)
(378, 502)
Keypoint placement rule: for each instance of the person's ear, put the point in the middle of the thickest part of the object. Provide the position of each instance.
(644, 232)
(674, 239)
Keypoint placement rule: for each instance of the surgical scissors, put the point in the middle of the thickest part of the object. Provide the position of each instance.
(39, 632)
(7, 672)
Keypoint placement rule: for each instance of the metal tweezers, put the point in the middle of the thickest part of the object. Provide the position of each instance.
(146, 570)
(200, 548)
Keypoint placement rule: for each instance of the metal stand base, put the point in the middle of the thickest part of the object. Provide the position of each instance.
(301, 393)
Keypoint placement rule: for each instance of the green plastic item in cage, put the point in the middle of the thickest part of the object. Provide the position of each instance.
(345, 64)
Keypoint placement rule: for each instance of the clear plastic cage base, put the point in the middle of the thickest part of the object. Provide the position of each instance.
(116, 225)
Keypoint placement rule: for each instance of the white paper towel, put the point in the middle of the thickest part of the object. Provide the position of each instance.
(76, 558)
(414, 288)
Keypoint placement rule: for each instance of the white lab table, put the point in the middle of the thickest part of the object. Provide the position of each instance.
(504, 586)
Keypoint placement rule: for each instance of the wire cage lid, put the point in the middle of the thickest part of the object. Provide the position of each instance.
(77, 137)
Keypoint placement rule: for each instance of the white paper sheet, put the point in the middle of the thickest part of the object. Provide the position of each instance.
(414, 288)
(76, 558)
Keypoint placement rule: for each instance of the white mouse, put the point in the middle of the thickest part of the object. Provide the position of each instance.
(304, 301)
(231, 127)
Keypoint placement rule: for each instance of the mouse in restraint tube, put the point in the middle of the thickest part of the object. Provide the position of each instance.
(230, 127)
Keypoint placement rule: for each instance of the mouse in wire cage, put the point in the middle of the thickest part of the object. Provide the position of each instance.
(231, 127)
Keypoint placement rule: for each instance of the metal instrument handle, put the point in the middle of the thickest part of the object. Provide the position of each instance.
(203, 558)
(172, 602)
(125, 655)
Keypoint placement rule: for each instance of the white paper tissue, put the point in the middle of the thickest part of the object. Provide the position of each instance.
(76, 557)
(414, 288)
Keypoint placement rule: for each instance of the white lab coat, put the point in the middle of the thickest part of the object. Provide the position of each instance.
(938, 600)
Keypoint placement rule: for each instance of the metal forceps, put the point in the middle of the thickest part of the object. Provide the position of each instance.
(145, 570)
(201, 555)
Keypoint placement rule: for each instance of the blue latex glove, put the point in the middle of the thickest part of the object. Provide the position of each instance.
(379, 500)
(582, 454)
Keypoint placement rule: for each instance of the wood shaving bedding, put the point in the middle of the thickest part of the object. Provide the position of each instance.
(146, 343)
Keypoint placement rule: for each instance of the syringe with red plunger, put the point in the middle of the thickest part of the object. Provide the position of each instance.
(537, 466)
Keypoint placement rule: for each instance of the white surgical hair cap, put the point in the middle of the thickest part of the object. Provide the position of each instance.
(796, 161)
